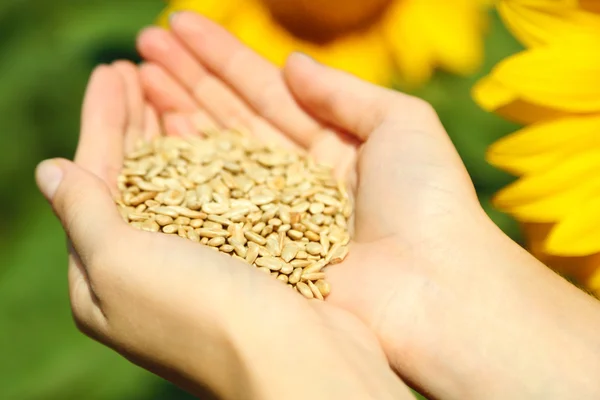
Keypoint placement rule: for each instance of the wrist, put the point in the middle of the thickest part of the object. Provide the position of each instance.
(330, 362)
(263, 349)
(497, 324)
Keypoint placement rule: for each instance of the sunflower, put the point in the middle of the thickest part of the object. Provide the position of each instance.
(554, 87)
(377, 40)
(542, 22)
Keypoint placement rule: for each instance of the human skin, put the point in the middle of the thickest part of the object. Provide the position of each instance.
(199, 318)
(461, 310)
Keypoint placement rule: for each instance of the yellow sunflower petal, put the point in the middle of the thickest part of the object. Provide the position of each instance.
(535, 235)
(558, 205)
(425, 34)
(412, 52)
(540, 22)
(454, 32)
(493, 96)
(217, 10)
(559, 178)
(583, 270)
(560, 78)
(364, 55)
(579, 233)
(540, 146)
(594, 281)
(549, 196)
(253, 24)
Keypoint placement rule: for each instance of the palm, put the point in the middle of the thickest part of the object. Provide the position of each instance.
(115, 116)
(219, 82)
(190, 98)
(199, 76)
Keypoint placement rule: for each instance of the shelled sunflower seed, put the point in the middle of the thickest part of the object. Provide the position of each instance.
(273, 208)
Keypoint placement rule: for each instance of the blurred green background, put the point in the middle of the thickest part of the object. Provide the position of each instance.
(47, 50)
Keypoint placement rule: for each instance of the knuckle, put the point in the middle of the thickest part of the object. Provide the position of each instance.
(423, 108)
(412, 114)
(376, 108)
(403, 103)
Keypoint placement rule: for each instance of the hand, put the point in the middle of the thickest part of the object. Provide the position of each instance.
(462, 311)
(194, 316)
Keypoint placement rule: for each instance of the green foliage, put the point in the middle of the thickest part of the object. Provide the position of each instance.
(48, 50)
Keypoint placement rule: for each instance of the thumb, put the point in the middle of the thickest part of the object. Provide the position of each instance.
(406, 149)
(406, 126)
(356, 106)
(82, 203)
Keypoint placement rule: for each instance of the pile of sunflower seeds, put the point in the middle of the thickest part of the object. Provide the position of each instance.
(270, 207)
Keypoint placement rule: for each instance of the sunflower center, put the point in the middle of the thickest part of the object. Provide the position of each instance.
(320, 21)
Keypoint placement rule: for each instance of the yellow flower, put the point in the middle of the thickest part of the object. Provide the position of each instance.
(541, 22)
(555, 88)
(377, 40)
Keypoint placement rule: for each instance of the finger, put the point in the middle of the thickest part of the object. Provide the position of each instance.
(163, 92)
(202, 122)
(151, 123)
(169, 98)
(211, 94)
(134, 100)
(159, 46)
(185, 124)
(178, 125)
(255, 79)
(104, 116)
(351, 104)
(84, 206)
(408, 150)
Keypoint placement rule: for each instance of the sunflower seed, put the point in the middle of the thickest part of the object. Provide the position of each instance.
(313, 277)
(314, 248)
(323, 287)
(336, 254)
(255, 237)
(212, 233)
(274, 209)
(304, 290)
(216, 241)
(315, 290)
(273, 263)
(172, 228)
(295, 276)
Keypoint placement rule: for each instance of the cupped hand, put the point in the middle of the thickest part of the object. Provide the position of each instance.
(192, 315)
(449, 296)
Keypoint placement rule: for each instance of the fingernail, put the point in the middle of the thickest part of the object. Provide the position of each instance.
(48, 176)
(172, 17)
(303, 56)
